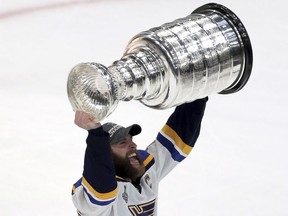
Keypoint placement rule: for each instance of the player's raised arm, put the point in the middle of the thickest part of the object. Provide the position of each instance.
(177, 138)
(185, 123)
(98, 184)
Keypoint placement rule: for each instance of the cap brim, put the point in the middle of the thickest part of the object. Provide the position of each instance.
(134, 129)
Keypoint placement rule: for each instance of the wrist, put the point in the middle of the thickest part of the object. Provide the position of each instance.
(93, 125)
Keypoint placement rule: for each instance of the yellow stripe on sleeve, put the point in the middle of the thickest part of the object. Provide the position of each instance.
(73, 189)
(148, 160)
(101, 196)
(177, 139)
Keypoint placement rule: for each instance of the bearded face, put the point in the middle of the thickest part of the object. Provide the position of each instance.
(131, 166)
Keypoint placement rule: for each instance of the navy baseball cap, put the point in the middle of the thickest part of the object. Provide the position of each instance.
(118, 132)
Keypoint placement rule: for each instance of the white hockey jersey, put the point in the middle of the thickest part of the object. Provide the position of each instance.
(173, 143)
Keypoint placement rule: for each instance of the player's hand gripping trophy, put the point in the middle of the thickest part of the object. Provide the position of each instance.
(207, 52)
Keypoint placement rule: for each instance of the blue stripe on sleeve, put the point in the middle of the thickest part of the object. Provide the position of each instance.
(170, 147)
(78, 183)
(97, 202)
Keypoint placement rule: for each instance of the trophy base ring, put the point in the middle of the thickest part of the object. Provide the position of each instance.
(247, 48)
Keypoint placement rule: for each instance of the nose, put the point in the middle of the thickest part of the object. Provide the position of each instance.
(132, 145)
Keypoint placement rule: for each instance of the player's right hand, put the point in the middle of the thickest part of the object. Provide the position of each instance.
(86, 121)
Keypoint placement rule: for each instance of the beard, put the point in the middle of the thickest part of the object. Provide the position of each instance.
(125, 170)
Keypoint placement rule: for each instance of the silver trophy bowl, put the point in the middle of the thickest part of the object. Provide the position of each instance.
(205, 53)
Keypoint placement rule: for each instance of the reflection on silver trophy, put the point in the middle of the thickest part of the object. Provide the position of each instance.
(205, 53)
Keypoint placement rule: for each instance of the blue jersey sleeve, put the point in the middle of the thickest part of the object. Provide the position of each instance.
(186, 120)
(99, 180)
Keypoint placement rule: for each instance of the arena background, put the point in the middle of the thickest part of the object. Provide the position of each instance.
(239, 164)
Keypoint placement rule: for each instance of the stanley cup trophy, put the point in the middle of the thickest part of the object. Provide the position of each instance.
(205, 53)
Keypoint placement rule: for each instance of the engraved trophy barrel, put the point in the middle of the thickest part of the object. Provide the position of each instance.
(205, 53)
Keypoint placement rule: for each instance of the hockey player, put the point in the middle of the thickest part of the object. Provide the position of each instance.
(120, 180)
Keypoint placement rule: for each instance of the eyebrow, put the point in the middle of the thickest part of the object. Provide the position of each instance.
(126, 138)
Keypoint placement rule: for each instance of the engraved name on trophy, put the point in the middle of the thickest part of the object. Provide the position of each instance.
(205, 53)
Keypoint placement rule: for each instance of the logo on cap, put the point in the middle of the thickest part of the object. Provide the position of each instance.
(114, 128)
